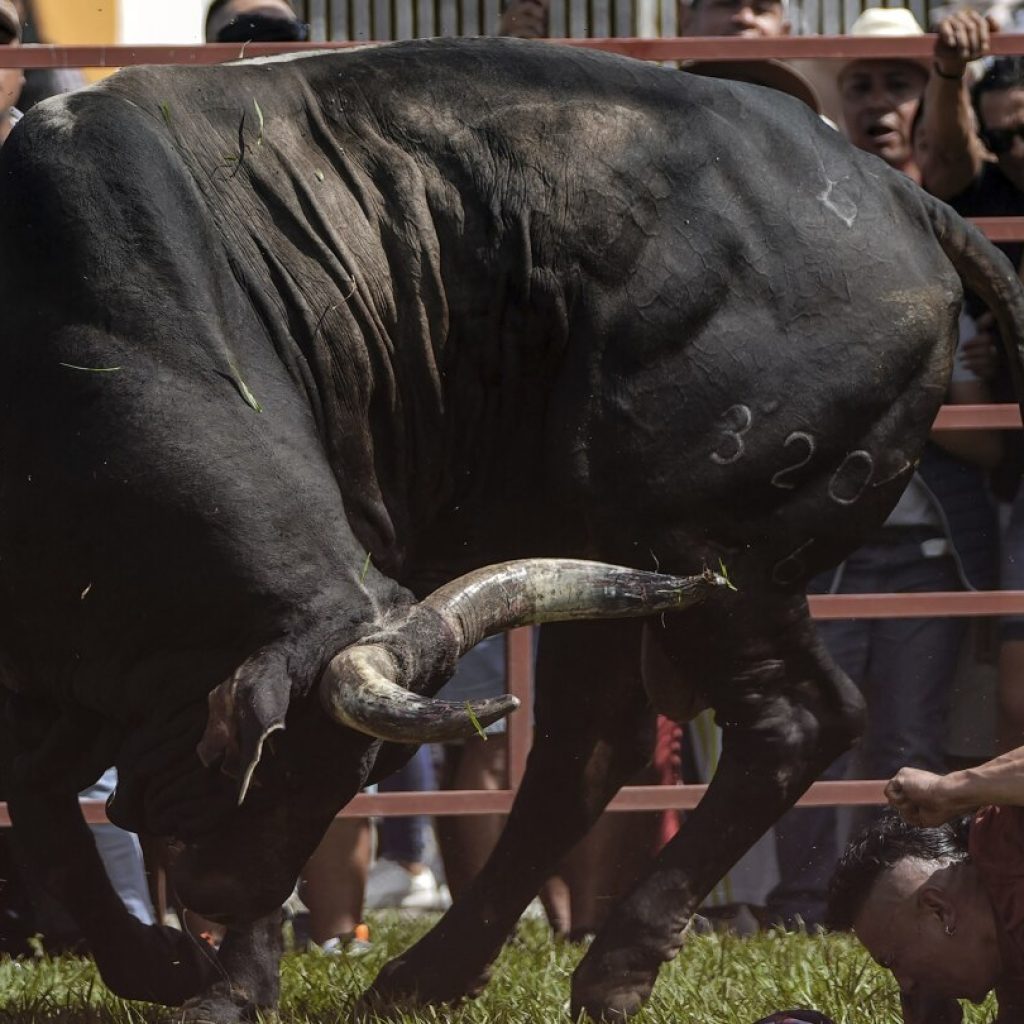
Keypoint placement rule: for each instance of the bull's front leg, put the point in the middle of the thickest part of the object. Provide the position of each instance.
(249, 959)
(786, 712)
(135, 960)
(593, 733)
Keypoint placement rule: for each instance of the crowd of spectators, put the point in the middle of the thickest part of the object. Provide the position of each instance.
(953, 123)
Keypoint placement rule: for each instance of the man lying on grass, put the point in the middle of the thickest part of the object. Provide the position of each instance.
(938, 898)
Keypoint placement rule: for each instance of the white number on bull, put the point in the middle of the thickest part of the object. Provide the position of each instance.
(783, 477)
(737, 420)
(851, 478)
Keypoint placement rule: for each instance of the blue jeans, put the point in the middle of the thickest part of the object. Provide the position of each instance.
(121, 854)
(405, 839)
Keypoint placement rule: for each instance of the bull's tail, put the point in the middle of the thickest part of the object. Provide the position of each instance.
(990, 275)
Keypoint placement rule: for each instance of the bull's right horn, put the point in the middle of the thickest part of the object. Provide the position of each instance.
(536, 590)
(363, 696)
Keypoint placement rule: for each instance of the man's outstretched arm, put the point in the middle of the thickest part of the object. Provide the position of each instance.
(923, 798)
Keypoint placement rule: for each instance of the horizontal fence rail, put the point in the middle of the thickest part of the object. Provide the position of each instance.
(477, 801)
(520, 644)
(41, 55)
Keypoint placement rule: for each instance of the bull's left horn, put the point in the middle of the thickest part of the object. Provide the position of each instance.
(358, 691)
(362, 686)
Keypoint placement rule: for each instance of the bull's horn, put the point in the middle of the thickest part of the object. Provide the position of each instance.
(362, 688)
(536, 590)
(358, 691)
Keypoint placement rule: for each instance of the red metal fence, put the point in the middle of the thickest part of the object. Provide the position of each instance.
(520, 662)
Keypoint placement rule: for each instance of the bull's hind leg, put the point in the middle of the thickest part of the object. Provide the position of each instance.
(786, 712)
(593, 733)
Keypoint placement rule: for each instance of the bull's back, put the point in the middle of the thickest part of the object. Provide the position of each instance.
(495, 167)
(579, 141)
(710, 247)
(451, 201)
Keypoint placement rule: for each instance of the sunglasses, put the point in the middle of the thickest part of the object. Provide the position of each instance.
(263, 28)
(1000, 140)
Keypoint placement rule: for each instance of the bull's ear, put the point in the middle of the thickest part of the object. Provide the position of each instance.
(244, 711)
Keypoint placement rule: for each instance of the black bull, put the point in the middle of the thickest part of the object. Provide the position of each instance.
(288, 344)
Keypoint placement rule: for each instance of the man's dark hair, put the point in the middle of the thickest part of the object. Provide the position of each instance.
(215, 6)
(879, 846)
(1005, 73)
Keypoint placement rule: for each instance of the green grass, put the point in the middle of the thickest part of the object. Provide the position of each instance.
(719, 979)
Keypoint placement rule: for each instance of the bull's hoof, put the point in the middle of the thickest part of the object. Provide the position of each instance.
(611, 995)
(619, 1007)
(401, 985)
(222, 1005)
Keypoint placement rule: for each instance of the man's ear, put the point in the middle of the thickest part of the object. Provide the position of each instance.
(243, 711)
(933, 900)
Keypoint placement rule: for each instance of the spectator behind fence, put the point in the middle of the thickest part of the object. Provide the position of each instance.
(941, 536)
(879, 96)
(11, 79)
(332, 885)
(480, 762)
(41, 83)
(939, 899)
(752, 19)
(401, 877)
(529, 19)
(257, 21)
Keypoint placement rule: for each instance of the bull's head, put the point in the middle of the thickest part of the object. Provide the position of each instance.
(381, 686)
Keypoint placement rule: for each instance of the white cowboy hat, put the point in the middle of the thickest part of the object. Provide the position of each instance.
(886, 21)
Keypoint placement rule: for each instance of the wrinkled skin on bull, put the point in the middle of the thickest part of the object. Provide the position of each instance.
(289, 344)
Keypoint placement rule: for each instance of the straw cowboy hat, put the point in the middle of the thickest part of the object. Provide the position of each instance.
(824, 75)
(773, 74)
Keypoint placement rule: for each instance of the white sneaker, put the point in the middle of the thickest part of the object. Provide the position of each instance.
(347, 945)
(391, 885)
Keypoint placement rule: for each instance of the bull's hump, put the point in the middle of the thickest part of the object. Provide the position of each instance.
(502, 70)
(57, 114)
